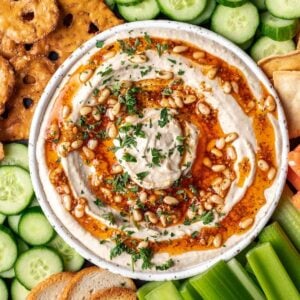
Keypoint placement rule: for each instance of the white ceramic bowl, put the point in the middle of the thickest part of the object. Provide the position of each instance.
(265, 212)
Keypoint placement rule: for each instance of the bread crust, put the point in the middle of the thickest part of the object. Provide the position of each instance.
(115, 293)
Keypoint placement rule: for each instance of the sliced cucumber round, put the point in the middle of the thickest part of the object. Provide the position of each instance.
(238, 24)
(286, 9)
(18, 291)
(71, 259)
(276, 28)
(260, 4)
(13, 222)
(246, 45)
(34, 227)
(36, 264)
(2, 218)
(182, 10)
(16, 190)
(145, 10)
(206, 14)
(232, 3)
(3, 290)
(15, 154)
(128, 2)
(22, 246)
(8, 249)
(8, 274)
(265, 47)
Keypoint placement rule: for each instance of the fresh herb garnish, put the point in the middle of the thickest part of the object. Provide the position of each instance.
(106, 72)
(165, 266)
(173, 61)
(142, 175)
(147, 38)
(119, 182)
(109, 217)
(158, 136)
(99, 202)
(99, 44)
(157, 156)
(181, 72)
(146, 71)
(167, 91)
(161, 48)
(130, 101)
(164, 118)
(129, 158)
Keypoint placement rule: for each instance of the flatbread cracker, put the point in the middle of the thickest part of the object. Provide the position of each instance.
(287, 84)
(1, 151)
(9, 48)
(32, 75)
(78, 22)
(286, 62)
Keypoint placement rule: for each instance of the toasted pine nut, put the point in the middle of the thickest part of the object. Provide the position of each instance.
(164, 102)
(231, 137)
(85, 75)
(106, 192)
(142, 244)
(263, 165)
(53, 132)
(112, 130)
(216, 181)
(190, 214)
(227, 87)
(104, 94)
(138, 58)
(77, 144)
(189, 99)
(137, 215)
(198, 54)
(67, 202)
(116, 109)
(163, 220)
(217, 242)
(271, 173)
(92, 144)
(218, 168)
(88, 153)
(108, 55)
(167, 75)
(127, 84)
(95, 180)
(64, 148)
(212, 72)
(203, 108)
(172, 103)
(79, 211)
(178, 101)
(235, 87)
(250, 106)
(143, 196)
(179, 49)
(246, 223)
(231, 154)
(151, 216)
(170, 200)
(207, 162)
(130, 119)
(96, 114)
(220, 143)
(110, 115)
(66, 111)
(270, 104)
(118, 198)
(200, 209)
(216, 152)
(216, 199)
(211, 144)
(111, 102)
(225, 184)
(207, 206)
(85, 110)
(116, 169)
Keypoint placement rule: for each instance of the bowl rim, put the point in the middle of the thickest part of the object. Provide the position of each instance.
(42, 106)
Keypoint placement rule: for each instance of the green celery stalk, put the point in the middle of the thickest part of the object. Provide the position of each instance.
(147, 288)
(241, 257)
(286, 251)
(188, 292)
(270, 273)
(167, 290)
(288, 217)
(219, 282)
(245, 279)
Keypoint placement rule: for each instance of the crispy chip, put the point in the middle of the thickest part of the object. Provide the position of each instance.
(7, 82)
(286, 62)
(26, 21)
(287, 84)
(9, 48)
(1, 151)
(32, 75)
(78, 22)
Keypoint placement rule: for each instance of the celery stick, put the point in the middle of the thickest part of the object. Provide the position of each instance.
(287, 253)
(188, 292)
(219, 282)
(245, 279)
(288, 217)
(270, 273)
(167, 290)
(241, 257)
(147, 288)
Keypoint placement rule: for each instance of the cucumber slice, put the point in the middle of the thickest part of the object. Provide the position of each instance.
(128, 2)
(36, 264)
(18, 291)
(145, 10)
(71, 259)
(13, 222)
(247, 282)
(3, 290)
(187, 292)
(287, 253)
(2, 218)
(110, 3)
(167, 290)
(285, 9)
(147, 288)
(8, 274)
(8, 249)
(246, 45)
(22, 246)
(288, 217)
(15, 155)
(260, 4)
(238, 24)
(219, 282)
(34, 227)
(206, 14)
(271, 274)
(182, 10)
(15, 190)
(276, 28)
(265, 47)
(232, 3)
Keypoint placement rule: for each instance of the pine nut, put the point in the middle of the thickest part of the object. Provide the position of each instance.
(271, 174)
(163, 220)
(118, 199)
(92, 144)
(108, 55)
(220, 143)
(270, 104)
(190, 214)
(127, 84)
(216, 181)
(263, 165)
(212, 72)
(64, 148)
(110, 115)
(88, 153)
(142, 244)
(116, 109)
(105, 93)
(106, 192)
(66, 189)
(231, 137)
(216, 199)
(143, 196)
(79, 211)
(231, 154)
(77, 144)
(216, 152)
(54, 131)
(172, 103)
(229, 174)
(75, 130)
(67, 202)
(167, 75)
(203, 108)
(151, 216)
(217, 241)
(200, 209)
(235, 87)
(130, 119)
(246, 223)
(66, 111)
(250, 106)
(180, 49)
(164, 102)
(85, 110)
(211, 144)
(207, 162)
(218, 168)
(116, 169)
(111, 102)
(137, 215)
(227, 87)
(178, 101)
(138, 58)
(96, 114)
(112, 130)
(189, 99)
(85, 75)
(170, 200)
(198, 54)
(207, 206)
(95, 180)
(225, 184)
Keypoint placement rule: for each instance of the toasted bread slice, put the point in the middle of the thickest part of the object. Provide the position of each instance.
(115, 293)
(51, 288)
(91, 280)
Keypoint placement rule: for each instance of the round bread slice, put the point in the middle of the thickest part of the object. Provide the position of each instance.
(91, 280)
(51, 288)
(115, 293)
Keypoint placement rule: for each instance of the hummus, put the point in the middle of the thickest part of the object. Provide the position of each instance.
(159, 153)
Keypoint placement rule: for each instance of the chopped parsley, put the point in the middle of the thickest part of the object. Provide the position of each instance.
(106, 72)
(127, 48)
(147, 38)
(99, 44)
(146, 71)
(165, 266)
(119, 182)
(130, 101)
(173, 61)
(157, 156)
(99, 202)
(158, 136)
(194, 234)
(161, 48)
(142, 175)
(129, 158)
(181, 72)
(207, 217)
(167, 91)
(164, 118)
(110, 217)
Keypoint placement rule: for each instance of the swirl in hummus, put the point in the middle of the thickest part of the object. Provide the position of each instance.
(158, 153)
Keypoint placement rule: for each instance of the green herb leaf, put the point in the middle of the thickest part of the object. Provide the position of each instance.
(142, 175)
(129, 158)
(167, 265)
(99, 44)
(164, 118)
